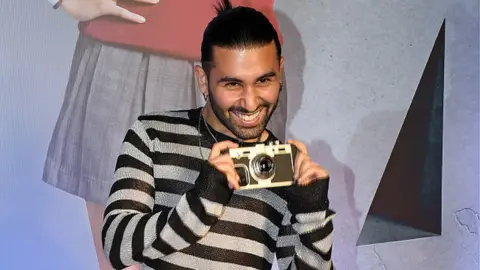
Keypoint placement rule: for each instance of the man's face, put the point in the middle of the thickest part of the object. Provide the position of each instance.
(243, 88)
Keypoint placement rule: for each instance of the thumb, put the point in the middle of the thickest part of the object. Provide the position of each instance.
(124, 14)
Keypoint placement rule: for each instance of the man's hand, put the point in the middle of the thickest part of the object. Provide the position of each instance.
(85, 10)
(306, 170)
(224, 163)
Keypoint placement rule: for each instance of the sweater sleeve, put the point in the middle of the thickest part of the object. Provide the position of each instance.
(305, 236)
(132, 231)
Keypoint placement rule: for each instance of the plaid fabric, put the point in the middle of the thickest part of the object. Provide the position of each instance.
(108, 88)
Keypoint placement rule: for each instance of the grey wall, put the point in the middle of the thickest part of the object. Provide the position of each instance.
(352, 70)
(40, 227)
(358, 69)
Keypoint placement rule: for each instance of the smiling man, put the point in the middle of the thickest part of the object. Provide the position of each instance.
(175, 202)
(240, 74)
(242, 89)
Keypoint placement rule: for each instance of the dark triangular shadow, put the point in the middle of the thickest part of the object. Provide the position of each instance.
(408, 202)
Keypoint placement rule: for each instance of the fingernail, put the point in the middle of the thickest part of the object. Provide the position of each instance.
(140, 19)
(230, 186)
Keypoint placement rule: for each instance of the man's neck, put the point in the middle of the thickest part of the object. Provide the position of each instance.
(213, 121)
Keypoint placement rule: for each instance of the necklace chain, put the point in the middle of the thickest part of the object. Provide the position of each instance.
(200, 117)
(208, 129)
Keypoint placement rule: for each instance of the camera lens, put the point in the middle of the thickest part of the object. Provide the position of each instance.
(266, 164)
(263, 166)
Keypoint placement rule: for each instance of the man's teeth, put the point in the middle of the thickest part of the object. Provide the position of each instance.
(248, 117)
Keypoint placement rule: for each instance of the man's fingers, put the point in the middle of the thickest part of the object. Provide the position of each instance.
(223, 162)
(311, 174)
(301, 158)
(300, 146)
(225, 158)
(125, 14)
(305, 165)
(221, 146)
(306, 170)
(297, 163)
(233, 180)
(230, 172)
(233, 183)
(223, 167)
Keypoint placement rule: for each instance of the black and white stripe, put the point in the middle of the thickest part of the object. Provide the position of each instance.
(168, 209)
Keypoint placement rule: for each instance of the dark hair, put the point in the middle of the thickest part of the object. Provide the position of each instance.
(235, 28)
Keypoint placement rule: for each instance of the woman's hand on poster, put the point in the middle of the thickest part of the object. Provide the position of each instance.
(85, 10)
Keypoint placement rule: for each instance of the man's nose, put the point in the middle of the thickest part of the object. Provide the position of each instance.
(250, 98)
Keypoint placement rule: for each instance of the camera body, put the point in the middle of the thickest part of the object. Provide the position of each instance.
(264, 165)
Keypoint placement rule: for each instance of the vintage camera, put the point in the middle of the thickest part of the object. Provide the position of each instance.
(264, 165)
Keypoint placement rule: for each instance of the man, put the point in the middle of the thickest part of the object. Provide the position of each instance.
(175, 202)
(123, 67)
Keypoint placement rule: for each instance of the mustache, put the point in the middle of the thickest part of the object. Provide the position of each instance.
(240, 109)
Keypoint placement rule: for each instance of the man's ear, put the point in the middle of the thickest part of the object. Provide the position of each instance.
(281, 63)
(202, 79)
(282, 83)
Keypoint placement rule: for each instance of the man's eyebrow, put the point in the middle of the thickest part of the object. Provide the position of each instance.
(267, 75)
(227, 79)
(236, 80)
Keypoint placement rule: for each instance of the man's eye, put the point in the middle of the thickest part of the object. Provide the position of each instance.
(263, 81)
(232, 85)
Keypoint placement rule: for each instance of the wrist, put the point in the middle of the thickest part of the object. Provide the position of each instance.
(212, 185)
(310, 198)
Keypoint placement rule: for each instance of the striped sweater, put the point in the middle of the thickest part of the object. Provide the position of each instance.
(169, 209)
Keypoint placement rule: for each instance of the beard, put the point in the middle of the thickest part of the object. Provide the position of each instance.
(243, 133)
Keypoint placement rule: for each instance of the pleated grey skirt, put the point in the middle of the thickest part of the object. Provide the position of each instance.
(108, 88)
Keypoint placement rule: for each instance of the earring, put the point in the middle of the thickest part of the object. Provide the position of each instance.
(205, 96)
